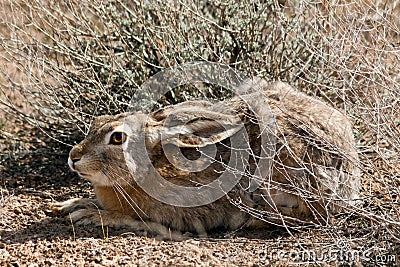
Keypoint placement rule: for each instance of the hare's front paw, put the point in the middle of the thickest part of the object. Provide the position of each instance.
(116, 219)
(75, 204)
(93, 217)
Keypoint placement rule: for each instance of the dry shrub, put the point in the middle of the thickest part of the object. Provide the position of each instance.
(72, 60)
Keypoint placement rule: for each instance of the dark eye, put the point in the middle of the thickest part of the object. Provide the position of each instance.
(117, 138)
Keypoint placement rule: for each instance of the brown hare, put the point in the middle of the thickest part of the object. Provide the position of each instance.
(313, 171)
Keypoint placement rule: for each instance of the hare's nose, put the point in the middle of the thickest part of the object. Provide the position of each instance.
(74, 156)
(76, 153)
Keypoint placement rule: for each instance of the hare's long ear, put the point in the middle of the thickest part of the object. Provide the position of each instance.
(193, 126)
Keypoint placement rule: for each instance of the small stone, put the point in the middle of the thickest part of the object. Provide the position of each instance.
(17, 211)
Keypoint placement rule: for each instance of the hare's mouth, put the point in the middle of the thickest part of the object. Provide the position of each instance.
(84, 175)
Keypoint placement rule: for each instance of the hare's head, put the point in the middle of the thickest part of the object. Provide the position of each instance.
(102, 156)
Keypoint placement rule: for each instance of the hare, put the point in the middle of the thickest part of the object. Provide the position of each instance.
(313, 170)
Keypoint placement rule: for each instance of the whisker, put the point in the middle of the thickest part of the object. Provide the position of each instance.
(111, 175)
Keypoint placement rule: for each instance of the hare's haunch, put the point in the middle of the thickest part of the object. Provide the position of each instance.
(313, 173)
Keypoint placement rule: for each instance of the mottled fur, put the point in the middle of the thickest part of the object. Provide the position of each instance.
(314, 171)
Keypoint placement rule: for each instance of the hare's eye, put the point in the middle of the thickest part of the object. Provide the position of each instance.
(117, 138)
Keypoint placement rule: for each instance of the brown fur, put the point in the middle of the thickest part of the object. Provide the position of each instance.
(314, 171)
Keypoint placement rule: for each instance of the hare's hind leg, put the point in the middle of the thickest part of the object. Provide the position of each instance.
(74, 204)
